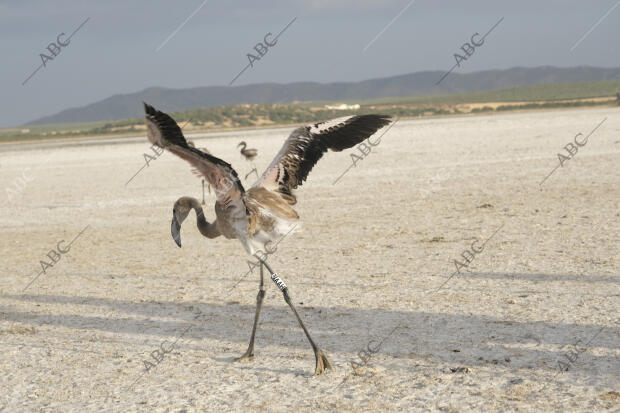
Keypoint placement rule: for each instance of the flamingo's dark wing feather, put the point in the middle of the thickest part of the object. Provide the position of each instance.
(164, 132)
(307, 144)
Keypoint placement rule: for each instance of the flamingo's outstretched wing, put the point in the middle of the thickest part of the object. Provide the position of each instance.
(307, 144)
(203, 150)
(164, 132)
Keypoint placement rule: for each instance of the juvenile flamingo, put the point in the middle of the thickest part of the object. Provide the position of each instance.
(264, 212)
(249, 155)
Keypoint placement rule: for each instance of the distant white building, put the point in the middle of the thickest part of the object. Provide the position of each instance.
(343, 106)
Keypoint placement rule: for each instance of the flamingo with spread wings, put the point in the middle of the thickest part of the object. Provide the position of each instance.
(264, 212)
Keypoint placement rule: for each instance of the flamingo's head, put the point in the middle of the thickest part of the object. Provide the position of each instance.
(179, 213)
(242, 143)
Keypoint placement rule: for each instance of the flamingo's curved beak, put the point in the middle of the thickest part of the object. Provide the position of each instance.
(175, 230)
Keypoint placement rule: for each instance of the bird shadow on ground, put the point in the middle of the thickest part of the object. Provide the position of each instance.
(457, 339)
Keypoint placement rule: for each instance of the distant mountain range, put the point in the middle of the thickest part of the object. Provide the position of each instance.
(126, 106)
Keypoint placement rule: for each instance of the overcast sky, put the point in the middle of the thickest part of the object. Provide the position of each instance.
(116, 51)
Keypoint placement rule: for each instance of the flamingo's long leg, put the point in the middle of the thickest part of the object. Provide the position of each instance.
(253, 170)
(321, 359)
(249, 354)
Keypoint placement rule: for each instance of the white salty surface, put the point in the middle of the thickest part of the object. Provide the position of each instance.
(373, 251)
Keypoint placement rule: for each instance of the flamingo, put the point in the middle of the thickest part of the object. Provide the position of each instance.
(264, 212)
(249, 155)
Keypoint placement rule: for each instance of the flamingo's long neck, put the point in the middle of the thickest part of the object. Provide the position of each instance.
(206, 228)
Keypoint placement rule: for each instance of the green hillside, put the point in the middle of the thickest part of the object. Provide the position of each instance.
(532, 93)
(543, 96)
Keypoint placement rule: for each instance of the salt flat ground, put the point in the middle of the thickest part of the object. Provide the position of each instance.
(366, 272)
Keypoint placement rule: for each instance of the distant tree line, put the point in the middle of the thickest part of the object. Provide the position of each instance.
(265, 115)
